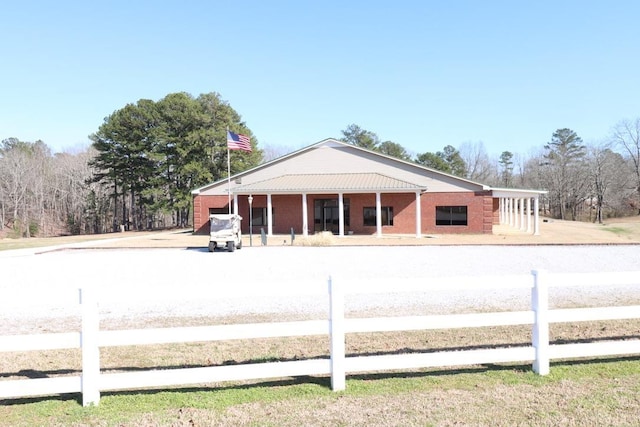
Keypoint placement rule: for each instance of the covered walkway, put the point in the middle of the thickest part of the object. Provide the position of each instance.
(519, 209)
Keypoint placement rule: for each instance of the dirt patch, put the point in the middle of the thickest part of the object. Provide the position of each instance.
(552, 232)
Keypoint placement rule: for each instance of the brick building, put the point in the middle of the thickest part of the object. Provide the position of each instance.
(338, 187)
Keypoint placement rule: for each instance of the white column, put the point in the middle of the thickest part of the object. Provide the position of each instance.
(340, 215)
(522, 210)
(269, 216)
(529, 215)
(235, 204)
(501, 210)
(516, 215)
(510, 212)
(418, 216)
(536, 216)
(305, 216)
(378, 216)
(504, 210)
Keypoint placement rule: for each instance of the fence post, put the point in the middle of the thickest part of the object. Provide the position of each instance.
(337, 335)
(89, 345)
(540, 333)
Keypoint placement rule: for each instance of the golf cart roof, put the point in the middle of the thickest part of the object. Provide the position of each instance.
(224, 216)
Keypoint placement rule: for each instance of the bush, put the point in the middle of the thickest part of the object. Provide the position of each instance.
(323, 238)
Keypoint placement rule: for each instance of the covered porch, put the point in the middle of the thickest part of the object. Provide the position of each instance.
(519, 209)
(329, 202)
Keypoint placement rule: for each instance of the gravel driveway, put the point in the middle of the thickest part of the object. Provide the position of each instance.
(141, 274)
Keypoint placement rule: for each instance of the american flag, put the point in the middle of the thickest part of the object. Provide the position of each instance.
(238, 142)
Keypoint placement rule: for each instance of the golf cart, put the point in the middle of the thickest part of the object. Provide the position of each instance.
(225, 231)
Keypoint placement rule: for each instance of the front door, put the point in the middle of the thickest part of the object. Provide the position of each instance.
(327, 215)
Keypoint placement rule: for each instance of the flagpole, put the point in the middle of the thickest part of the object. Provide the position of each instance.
(228, 173)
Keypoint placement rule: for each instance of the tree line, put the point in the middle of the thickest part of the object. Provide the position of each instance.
(584, 181)
(138, 173)
(146, 157)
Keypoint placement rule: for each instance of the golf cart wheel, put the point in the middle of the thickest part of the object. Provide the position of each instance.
(212, 246)
(231, 246)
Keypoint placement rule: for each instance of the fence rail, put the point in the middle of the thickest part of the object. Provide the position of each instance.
(90, 338)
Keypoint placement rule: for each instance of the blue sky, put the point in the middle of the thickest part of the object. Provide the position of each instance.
(424, 74)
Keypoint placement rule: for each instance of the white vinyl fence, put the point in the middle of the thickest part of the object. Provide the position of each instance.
(90, 339)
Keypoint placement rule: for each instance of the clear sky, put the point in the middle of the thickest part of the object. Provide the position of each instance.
(423, 74)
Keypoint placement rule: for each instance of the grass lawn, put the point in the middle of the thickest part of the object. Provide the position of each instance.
(588, 393)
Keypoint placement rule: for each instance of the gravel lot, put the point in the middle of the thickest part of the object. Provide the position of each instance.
(193, 282)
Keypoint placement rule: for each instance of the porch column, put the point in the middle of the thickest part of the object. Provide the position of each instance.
(522, 211)
(305, 216)
(500, 210)
(235, 204)
(503, 219)
(536, 216)
(269, 216)
(378, 216)
(516, 215)
(418, 216)
(506, 211)
(529, 215)
(340, 215)
(512, 219)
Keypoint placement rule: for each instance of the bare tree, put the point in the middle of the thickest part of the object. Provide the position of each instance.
(271, 152)
(626, 135)
(608, 179)
(44, 194)
(15, 182)
(479, 166)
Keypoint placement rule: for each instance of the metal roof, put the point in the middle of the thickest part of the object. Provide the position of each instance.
(331, 182)
(332, 143)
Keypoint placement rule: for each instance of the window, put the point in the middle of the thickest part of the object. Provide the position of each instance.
(451, 215)
(259, 216)
(369, 215)
(217, 211)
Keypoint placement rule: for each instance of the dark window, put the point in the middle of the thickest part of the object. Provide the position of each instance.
(451, 215)
(259, 216)
(369, 215)
(217, 211)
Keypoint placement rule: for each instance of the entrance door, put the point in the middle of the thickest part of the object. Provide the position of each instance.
(327, 215)
(331, 219)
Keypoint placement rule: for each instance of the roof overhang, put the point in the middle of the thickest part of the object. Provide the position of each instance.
(516, 192)
(329, 183)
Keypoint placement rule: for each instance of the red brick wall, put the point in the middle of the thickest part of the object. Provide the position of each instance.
(482, 211)
(404, 212)
(201, 205)
(496, 210)
(479, 216)
(287, 213)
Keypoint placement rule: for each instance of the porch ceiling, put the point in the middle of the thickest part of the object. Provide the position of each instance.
(515, 192)
(329, 183)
